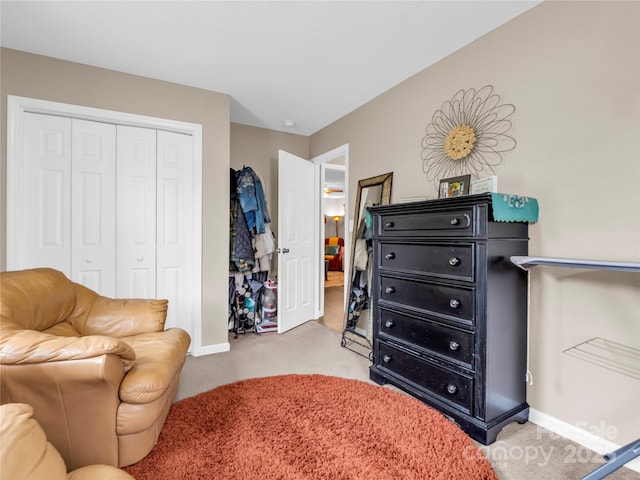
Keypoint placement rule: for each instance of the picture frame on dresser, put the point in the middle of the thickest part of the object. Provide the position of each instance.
(454, 186)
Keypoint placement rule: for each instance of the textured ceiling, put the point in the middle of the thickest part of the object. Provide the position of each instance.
(311, 62)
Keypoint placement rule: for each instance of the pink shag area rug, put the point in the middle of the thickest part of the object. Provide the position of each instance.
(294, 427)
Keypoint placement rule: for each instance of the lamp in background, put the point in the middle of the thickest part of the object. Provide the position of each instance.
(334, 208)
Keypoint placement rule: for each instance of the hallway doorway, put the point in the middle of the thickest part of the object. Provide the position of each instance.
(334, 234)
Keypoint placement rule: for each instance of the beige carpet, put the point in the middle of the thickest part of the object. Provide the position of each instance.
(333, 309)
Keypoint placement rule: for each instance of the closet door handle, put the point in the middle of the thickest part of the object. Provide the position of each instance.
(88, 260)
(140, 259)
(390, 290)
(283, 250)
(390, 256)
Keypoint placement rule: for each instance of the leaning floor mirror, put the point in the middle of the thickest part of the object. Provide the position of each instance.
(358, 322)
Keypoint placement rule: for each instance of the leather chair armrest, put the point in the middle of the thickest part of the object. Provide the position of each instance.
(33, 347)
(125, 317)
(75, 402)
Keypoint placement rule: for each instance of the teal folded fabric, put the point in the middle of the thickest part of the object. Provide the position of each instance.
(514, 208)
(331, 249)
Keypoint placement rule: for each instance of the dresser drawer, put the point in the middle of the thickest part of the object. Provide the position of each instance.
(431, 297)
(451, 343)
(442, 223)
(447, 384)
(453, 261)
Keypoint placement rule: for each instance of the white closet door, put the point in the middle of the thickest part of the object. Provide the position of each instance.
(42, 238)
(175, 221)
(136, 212)
(93, 206)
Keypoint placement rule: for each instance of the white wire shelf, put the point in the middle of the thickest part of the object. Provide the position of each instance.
(527, 263)
(607, 354)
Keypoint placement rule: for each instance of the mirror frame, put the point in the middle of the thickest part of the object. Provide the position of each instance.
(350, 337)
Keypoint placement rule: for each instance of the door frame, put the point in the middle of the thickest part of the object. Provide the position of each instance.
(319, 162)
(17, 106)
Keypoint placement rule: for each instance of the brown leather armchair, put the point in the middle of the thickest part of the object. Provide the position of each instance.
(100, 373)
(25, 452)
(335, 260)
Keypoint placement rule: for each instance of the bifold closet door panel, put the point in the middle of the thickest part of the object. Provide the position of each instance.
(136, 212)
(175, 174)
(93, 206)
(41, 235)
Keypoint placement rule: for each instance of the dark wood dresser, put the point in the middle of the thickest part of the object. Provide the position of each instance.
(450, 310)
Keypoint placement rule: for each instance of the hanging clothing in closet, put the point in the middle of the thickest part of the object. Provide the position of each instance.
(252, 241)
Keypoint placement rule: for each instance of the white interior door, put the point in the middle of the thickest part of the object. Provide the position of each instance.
(93, 206)
(136, 212)
(39, 187)
(45, 202)
(175, 225)
(296, 241)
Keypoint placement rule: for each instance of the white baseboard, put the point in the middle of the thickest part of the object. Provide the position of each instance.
(578, 435)
(210, 349)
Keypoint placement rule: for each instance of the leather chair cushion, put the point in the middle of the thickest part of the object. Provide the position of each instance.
(29, 346)
(159, 358)
(26, 454)
(35, 299)
(25, 451)
(120, 317)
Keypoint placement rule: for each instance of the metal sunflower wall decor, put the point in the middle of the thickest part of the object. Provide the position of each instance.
(467, 135)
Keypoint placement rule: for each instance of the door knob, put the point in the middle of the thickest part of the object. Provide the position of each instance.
(140, 259)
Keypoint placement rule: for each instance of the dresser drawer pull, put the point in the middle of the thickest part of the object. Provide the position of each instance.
(452, 389)
(389, 324)
(453, 345)
(455, 221)
(390, 290)
(454, 303)
(386, 359)
(454, 261)
(390, 256)
(389, 225)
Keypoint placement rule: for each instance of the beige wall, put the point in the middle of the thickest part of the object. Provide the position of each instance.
(572, 71)
(45, 78)
(258, 148)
